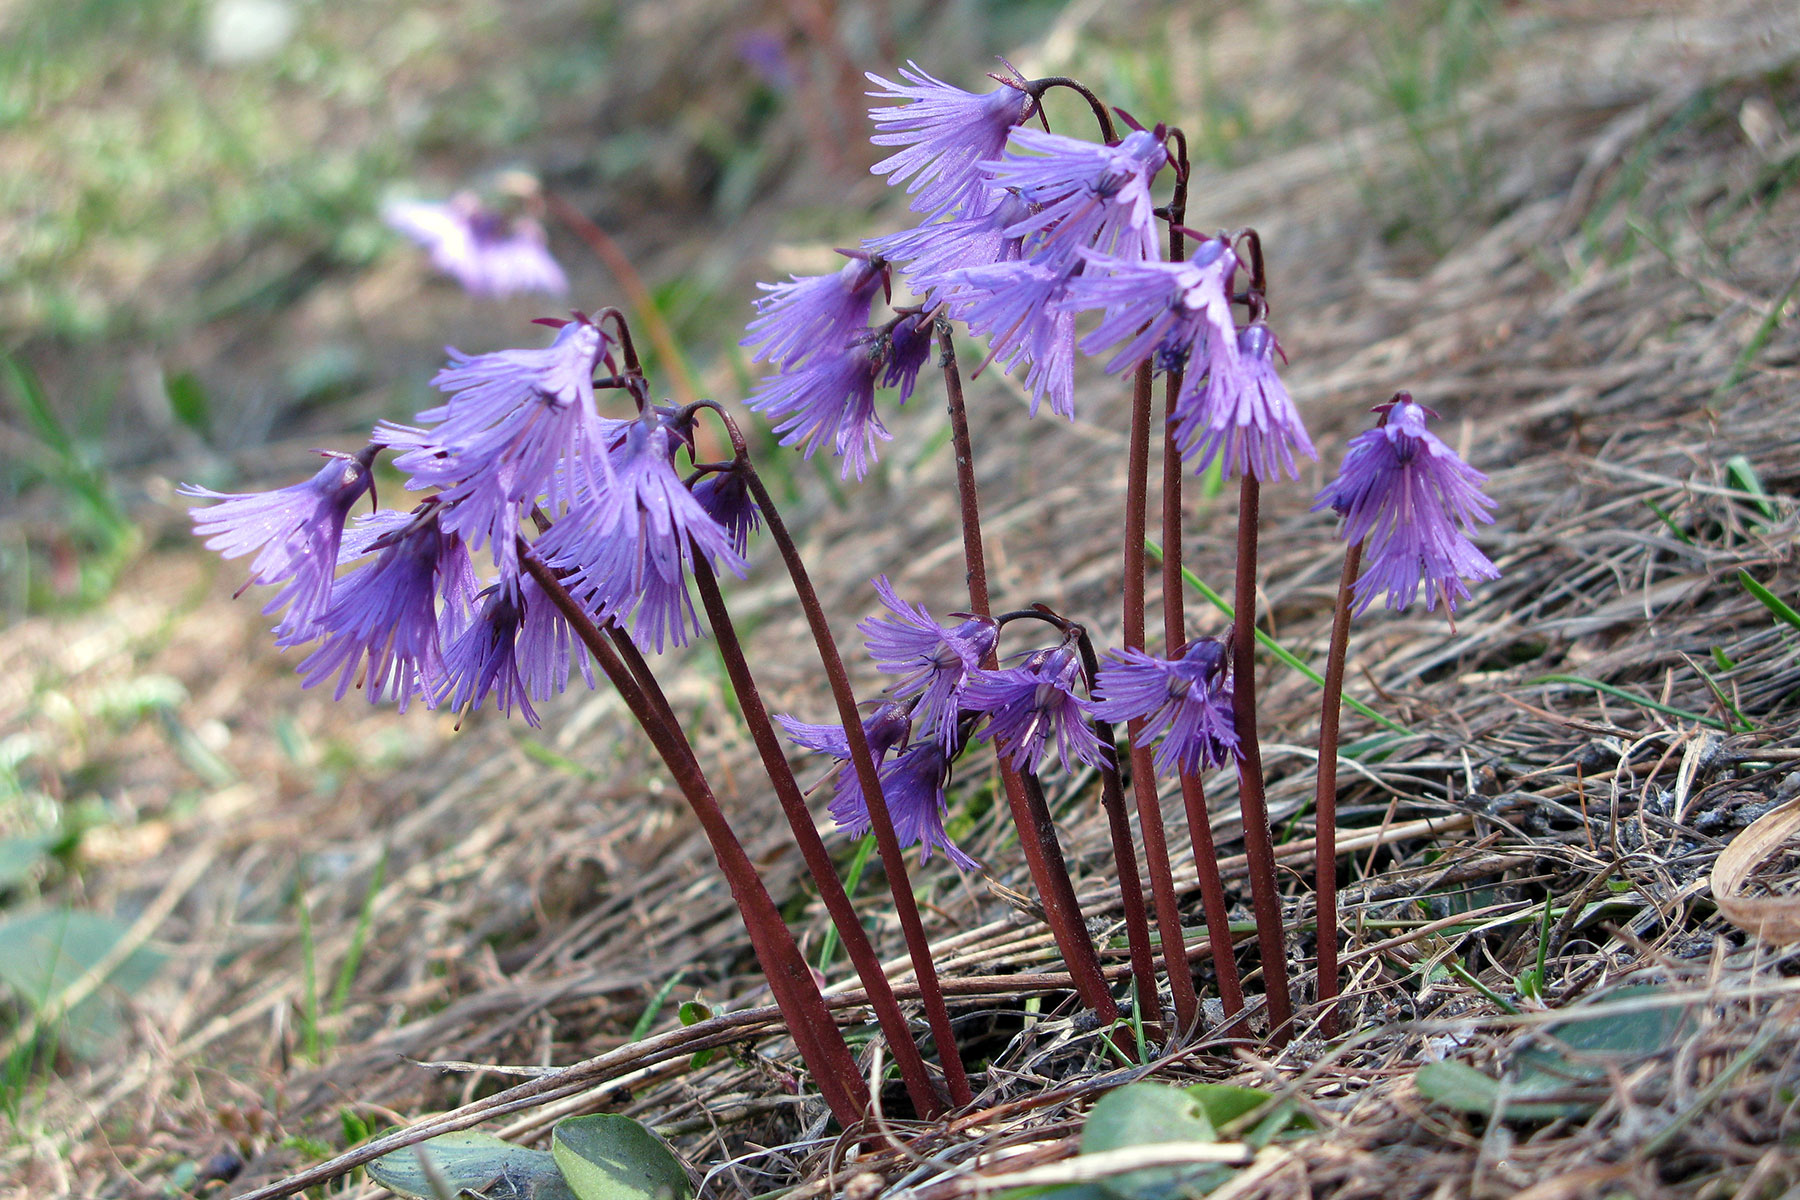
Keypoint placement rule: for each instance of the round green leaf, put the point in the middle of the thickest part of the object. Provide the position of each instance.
(609, 1157)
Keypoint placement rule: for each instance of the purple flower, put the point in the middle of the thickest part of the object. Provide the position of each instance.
(935, 661)
(935, 251)
(725, 495)
(885, 728)
(815, 313)
(1029, 706)
(903, 352)
(1403, 493)
(520, 427)
(295, 531)
(913, 787)
(484, 656)
(1084, 193)
(631, 545)
(484, 252)
(1173, 314)
(1241, 414)
(1020, 304)
(1184, 702)
(829, 402)
(946, 132)
(385, 612)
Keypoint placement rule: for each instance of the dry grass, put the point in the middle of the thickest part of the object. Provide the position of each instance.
(1604, 332)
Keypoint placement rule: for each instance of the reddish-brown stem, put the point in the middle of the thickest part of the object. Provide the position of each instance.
(1131, 886)
(1325, 796)
(821, 1045)
(1043, 855)
(893, 858)
(1143, 766)
(812, 846)
(1193, 793)
(643, 304)
(1259, 846)
(1037, 87)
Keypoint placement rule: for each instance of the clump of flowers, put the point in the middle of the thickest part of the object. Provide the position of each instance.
(565, 520)
(488, 253)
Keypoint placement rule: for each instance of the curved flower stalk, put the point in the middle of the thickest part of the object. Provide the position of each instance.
(482, 250)
(295, 533)
(1412, 502)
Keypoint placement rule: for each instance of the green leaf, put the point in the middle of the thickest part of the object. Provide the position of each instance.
(1566, 1073)
(1225, 1103)
(1151, 1114)
(19, 856)
(43, 953)
(610, 1157)
(471, 1162)
(187, 399)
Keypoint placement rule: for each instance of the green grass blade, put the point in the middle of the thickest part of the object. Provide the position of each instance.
(647, 1019)
(1666, 519)
(1631, 698)
(1743, 476)
(829, 943)
(1272, 646)
(1754, 346)
(359, 938)
(1770, 600)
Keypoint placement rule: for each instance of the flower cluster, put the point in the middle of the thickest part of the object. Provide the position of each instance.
(519, 439)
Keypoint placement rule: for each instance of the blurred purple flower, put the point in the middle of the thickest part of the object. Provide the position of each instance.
(296, 532)
(946, 132)
(382, 624)
(815, 313)
(1084, 193)
(829, 402)
(766, 53)
(1184, 702)
(1032, 705)
(935, 661)
(483, 251)
(1403, 493)
(1242, 413)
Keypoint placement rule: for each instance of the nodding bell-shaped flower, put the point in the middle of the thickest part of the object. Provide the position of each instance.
(828, 402)
(1412, 502)
(1084, 194)
(295, 532)
(1033, 707)
(886, 728)
(933, 660)
(1020, 304)
(1241, 413)
(1174, 314)
(814, 313)
(1182, 701)
(946, 132)
(381, 630)
(519, 428)
(631, 546)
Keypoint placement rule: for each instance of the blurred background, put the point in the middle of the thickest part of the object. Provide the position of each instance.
(1494, 202)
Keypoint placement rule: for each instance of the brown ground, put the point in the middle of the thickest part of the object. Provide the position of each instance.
(1600, 308)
